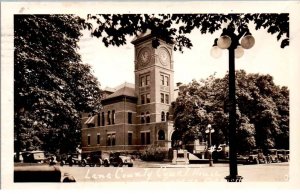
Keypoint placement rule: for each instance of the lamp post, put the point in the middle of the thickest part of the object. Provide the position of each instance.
(230, 40)
(210, 130)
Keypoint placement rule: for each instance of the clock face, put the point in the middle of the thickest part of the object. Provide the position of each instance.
(164, 56)
(144, 56)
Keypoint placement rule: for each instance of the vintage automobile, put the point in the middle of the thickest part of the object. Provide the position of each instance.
(242, 158)
(118, 160)
(37, 156)
(71, 159)
(41, 173)
(256, 157)
(283, 155)
(272, 156)
(92, 159)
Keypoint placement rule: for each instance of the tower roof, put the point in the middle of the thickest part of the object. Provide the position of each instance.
(142, 36)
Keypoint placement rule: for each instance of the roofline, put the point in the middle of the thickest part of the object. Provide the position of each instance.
(141, 39)
(106, 100)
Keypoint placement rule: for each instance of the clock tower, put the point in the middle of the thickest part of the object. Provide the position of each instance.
(153, 79)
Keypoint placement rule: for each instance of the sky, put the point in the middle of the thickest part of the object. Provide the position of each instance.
(115, 65)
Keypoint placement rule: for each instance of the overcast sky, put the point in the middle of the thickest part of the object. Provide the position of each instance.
(115, 65)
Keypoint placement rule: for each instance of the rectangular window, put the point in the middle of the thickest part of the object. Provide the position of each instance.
(113, 139)
(129, 138)
(162, 79)
(142, 99)
(108, 140)
(113, 116)
(148, 138)
(98, 138)
(167, 98)
(147, 80)
(147, 98)
(88, 140)
(143, 81)
(143, 139)
(167, 80)
(103, 119)
(98, 119)
(130, 117)
(162, 98)
(108, 118)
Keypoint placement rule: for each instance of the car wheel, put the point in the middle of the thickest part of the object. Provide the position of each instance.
(92, 164)
(83, 164)
(105, 163)
(120, 164)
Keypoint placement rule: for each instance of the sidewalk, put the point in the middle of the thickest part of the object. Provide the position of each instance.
(168, 164)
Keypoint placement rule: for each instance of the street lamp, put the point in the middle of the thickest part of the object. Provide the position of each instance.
(230, 40)
(210, 130)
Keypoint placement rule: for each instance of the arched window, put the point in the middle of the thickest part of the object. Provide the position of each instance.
(162, 116)
(113, 139)
(161, 135)
(167, 116)
(142, 118)
(147, 117)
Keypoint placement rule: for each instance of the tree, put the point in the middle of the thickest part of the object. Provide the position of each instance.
(172, 28)
(262, 110)
(51, 85)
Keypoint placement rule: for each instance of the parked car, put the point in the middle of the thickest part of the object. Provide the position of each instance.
(272, 156)
(243, 158)
(37, 156)
(257, 157)
(92, 159)
(283, 155)
(71, 159)
(118, 160)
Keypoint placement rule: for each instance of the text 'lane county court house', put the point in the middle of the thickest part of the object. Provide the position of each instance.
(136, 115)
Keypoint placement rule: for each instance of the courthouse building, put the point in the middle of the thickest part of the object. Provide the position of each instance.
(140, 114)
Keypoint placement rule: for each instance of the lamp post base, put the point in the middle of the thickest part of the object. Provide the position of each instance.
(211, 163)
(234, 178)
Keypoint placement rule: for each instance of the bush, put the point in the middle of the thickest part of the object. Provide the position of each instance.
(153, 153)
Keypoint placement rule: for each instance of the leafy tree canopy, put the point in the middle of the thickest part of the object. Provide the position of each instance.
(51, 85)
(262, 111)
(172, 28)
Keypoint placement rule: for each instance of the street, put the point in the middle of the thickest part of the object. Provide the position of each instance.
(164, 172)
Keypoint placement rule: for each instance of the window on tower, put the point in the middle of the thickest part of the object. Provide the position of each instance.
(143, 81)
(167, 80)
(162, 79)
(147, 117)
(167, 98)
(147, 98)
(162, 116)
(162, 98)
(147, 80)
(142, 99)
(142, 118)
